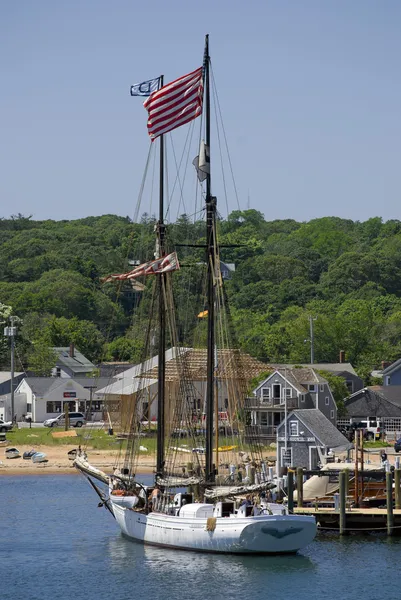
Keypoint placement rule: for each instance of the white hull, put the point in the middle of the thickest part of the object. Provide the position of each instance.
(263, 534)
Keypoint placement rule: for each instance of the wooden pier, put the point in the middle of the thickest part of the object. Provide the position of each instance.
(356, 519)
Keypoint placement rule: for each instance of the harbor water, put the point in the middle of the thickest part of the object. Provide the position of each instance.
(56, 544)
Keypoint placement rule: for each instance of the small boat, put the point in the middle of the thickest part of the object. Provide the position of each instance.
(28, 454)
(39, 457)
(12, 453)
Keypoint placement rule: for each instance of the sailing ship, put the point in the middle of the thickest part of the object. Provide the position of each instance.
(219, 501)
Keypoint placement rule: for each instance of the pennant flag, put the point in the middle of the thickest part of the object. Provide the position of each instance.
(202, 162)
(145, 88)
(174, 104)
(165, 264)
(203, 314)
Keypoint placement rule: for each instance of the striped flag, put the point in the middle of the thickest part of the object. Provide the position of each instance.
(174, 104)
(165, 264)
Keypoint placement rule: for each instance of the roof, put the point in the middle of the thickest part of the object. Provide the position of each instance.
(322, 428)
(231, 364)
(6, 375)
(42, 385)
(297, 378)
(375, 400)
(78, 363)
(126, 387)
(331, 367)
(94, 383)
(393, 367)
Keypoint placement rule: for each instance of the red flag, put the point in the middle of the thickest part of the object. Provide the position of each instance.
(164, 264)
(174, 104)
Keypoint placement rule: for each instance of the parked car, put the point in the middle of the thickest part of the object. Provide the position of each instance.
(76, 420)
(397, 445)
(372, 430)
(5, 425)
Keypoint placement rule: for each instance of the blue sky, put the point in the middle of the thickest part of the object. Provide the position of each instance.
(310, 92)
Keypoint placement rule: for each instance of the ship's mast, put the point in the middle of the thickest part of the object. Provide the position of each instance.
(210, 257)
(162, 318)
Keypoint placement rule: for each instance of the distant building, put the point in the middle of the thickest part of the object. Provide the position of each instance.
(71, 363)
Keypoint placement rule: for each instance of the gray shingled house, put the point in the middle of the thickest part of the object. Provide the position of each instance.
(310, 436)
(286, 389)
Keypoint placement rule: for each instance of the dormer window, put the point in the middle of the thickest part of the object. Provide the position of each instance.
(312, 387)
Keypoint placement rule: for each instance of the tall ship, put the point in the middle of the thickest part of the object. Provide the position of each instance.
(213, 492)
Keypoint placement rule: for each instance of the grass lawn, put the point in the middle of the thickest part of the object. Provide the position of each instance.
(98, 439)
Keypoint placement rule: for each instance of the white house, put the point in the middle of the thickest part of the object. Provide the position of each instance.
(46, 397)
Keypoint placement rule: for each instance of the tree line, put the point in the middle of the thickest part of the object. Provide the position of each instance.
(345, 274)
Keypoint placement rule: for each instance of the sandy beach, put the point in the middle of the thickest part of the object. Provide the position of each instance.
(59, 463)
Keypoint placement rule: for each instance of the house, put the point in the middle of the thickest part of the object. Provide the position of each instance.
(381, 401)
(185, 373)
(392, 373)
(227, 270)
(340, 369)
(111, 369)
(305, 437)
(283, 391)
(46, 397)
(71, 363)
(5, 381)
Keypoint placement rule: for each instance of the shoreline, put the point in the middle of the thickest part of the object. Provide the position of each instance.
(60, 464)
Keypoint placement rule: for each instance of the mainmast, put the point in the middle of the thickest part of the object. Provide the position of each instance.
(210, 257)
(160, 250)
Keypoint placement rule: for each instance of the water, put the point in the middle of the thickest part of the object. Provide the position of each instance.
(55, 544)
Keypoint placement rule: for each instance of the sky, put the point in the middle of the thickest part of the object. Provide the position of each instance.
(310, 96)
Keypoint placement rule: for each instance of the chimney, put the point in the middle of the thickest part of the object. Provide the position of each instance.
(72, 350)
(385, 364)
(342, 356)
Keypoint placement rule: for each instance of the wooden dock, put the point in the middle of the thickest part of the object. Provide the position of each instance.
(356, 519)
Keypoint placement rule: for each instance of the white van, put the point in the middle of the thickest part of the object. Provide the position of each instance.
(76, 419)
(372, 427)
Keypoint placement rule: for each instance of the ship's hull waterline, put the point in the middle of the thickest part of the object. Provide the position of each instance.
(264, 534)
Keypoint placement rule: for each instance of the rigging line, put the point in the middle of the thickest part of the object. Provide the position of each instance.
(224, 134)
(142, 186)
(178, 168)
(221, 154)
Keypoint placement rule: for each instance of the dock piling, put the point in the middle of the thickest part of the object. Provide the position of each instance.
(300, 487)
(397, 490)
(290, 491)
(343, 501)
(389, 494)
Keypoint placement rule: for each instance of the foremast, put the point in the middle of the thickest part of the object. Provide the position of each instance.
(211, 263)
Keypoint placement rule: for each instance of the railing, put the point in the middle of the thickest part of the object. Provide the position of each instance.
(260, 431)
(259, 403)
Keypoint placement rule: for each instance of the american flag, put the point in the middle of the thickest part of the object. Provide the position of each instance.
(165, 264)
(174, 104)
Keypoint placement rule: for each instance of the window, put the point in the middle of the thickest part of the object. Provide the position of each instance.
(293, 427)
(322, 387)
(288, 392)
(388, 378)
(52, 407)
(265, 394)
(312, 387)
(327, 401)
(28, 407)
(332, 414)
(302, 398)
(350, 386)
(263, 418)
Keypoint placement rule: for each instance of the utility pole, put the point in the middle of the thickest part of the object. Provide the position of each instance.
(312, 340)
(11, 333)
